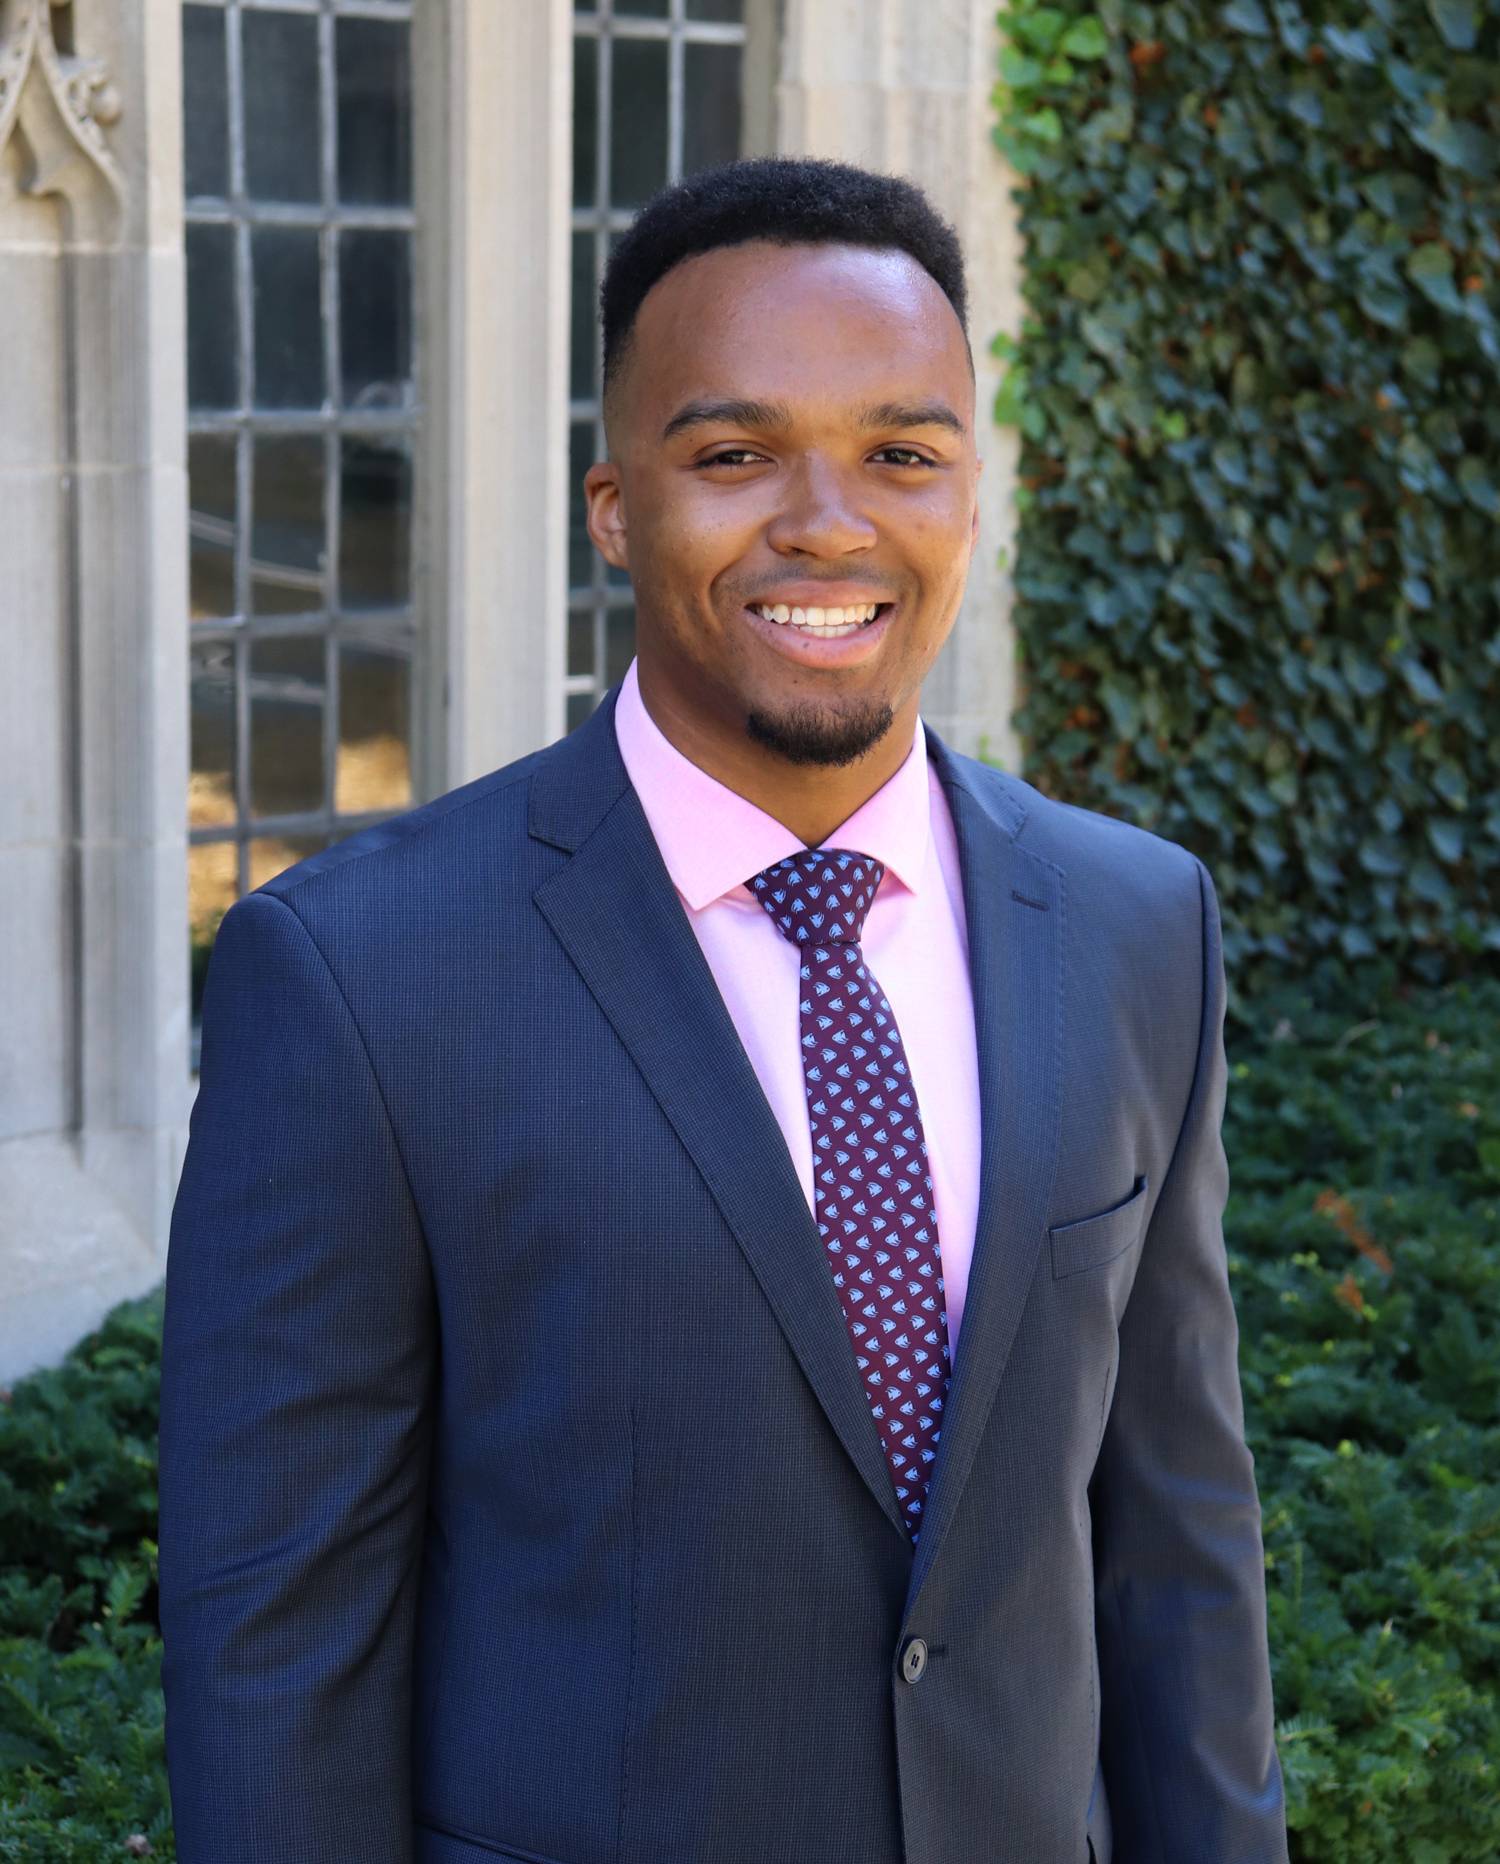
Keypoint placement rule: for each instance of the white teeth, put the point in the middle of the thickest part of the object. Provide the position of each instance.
(824, 620)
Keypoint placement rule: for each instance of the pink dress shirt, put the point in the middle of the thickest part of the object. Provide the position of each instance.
(915, 941)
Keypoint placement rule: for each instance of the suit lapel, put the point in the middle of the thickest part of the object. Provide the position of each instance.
(1014, 904)
(616, 913)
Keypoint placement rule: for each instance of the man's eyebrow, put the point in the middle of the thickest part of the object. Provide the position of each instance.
(776, 415)
(912, 414)
(728, 413)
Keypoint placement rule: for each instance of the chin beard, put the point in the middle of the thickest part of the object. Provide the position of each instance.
(814, 734)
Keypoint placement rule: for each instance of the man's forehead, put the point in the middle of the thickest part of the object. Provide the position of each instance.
(884, 278)
(786, 331)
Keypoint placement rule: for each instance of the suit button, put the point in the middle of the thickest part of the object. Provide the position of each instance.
(913, 1659)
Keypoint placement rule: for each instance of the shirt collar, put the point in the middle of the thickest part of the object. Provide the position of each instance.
(713, 840)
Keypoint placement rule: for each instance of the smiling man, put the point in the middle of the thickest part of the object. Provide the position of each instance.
(698, 1328)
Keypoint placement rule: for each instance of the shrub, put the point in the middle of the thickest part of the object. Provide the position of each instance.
(1364, 1255)
(82, 1756)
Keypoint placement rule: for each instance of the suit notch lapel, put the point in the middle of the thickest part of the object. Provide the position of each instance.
(616, 913)
(1015, 905)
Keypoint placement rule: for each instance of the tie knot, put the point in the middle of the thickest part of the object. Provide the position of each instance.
(820, 896)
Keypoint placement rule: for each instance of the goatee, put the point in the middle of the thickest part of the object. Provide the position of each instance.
(817, 734)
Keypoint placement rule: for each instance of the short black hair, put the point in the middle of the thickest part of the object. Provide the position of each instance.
(790, 200)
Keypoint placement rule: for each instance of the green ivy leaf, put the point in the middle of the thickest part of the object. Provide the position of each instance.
(1041, 27)
(1457, 21)
(1247, 16)
(1457, 145)
(1419, 681)
(1044, 125)
(1351, 43)
(1019, 70)
(1429, 883)
(1084, 39)
(1477, 487)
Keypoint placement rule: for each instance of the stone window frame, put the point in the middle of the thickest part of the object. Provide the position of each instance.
(398, 632)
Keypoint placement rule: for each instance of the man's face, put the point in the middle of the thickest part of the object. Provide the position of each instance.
(846, 476)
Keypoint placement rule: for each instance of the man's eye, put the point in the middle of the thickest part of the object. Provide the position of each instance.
(732, 456)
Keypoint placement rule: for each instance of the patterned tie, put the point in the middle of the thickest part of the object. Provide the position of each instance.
(872, 1192)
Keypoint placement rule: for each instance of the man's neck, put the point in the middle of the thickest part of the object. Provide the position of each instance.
(812, 800)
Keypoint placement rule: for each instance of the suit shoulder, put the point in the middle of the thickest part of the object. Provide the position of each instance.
(1087, 846)
(491, 805)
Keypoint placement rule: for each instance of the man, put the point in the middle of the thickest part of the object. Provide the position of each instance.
(697, 1321)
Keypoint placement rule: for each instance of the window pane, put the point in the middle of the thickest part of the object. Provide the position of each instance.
(581, 640)
(213, 375)
(579, 707)
(585, 120)
(287, 553)
(583, 367)
(205, 102)
(638, 125)
(293, 665)
(271, 855)
(212, 869)
(710, 105)
(286, 724)
(716, 9)
(374, 525)
(280, 58)
(373, 69)
(211, 511)
(288, 317)
(642, 9)
(375, 318)
(374, 754)
(211, 775)
(619, 643)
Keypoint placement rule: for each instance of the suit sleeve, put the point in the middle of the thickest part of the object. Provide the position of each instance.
(297, 1353)
(1187, 1726)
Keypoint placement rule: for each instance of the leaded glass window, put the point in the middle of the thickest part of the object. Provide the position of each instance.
(302, 426)
(657, 94)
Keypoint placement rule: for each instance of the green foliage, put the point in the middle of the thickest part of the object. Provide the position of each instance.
(1364, 1254)
(1363, 1230)
(1258, 393)
(82, 1755)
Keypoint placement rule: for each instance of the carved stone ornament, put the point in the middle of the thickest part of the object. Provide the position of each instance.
(57, 103)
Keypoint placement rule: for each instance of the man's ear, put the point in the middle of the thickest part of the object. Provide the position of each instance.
(606, 513)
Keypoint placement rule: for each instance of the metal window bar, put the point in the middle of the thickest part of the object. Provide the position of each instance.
(392, 629)
(607, 592)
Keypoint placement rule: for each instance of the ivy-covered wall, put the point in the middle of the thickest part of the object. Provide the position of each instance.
(1258, 385)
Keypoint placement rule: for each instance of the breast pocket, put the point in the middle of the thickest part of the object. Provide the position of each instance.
(1100, 1238)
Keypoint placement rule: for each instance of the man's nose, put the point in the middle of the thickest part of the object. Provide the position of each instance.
(820, 512)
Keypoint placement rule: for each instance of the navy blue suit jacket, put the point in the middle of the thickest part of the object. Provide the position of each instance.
(519, 1494)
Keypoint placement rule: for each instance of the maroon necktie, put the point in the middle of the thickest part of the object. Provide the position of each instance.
(871, 1188)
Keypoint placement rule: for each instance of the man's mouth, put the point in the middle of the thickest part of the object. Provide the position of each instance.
(825, 624)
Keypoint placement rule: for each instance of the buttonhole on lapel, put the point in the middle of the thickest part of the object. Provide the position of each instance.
(1040, 905)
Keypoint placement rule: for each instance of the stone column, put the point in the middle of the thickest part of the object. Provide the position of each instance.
(493, 168)
(94, 1005)
(903, 87)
